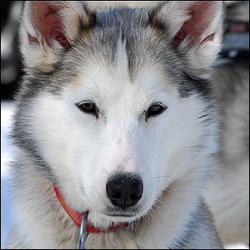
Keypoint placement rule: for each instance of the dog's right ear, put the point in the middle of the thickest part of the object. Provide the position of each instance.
(194, 29)
(49, 27)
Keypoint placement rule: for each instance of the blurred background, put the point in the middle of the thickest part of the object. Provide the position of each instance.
(235, 47)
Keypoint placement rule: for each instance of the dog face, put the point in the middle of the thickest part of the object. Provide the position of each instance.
(118, 100)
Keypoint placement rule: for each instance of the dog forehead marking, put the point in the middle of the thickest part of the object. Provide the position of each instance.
(122, 70)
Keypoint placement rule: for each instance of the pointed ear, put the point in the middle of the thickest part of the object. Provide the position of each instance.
(49, 27)
(195, 29)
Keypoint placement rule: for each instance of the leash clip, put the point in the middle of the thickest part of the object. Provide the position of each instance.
(83, 234)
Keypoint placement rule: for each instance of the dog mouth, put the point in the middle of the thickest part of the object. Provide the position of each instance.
(124, 215)
(129, 214)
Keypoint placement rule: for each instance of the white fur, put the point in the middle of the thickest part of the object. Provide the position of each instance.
(90, 149)
(170, 152)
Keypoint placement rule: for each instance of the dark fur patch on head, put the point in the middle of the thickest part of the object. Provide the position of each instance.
(86, 28)
(153, 20)
(193, 85)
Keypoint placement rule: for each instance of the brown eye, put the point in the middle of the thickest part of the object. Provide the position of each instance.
(154, 110)
(88, 107)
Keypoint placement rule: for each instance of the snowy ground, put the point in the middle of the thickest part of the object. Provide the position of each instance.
(7, 151)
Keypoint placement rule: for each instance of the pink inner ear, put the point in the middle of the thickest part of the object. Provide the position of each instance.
(201, 17)
(61, 38)
(46, 19)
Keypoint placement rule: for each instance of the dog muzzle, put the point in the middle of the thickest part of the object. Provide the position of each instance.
(81, 221)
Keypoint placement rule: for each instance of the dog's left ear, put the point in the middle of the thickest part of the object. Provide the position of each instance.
(195, 29)
(48, 28)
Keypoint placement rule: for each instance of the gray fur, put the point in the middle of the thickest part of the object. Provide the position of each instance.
(201, 220)
(228, 193)
(145, 44)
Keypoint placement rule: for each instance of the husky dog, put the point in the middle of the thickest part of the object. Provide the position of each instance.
(116, 119)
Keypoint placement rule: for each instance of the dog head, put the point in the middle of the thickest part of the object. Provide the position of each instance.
(119, 100)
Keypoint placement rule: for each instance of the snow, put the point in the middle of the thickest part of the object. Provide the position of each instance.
(6, 152)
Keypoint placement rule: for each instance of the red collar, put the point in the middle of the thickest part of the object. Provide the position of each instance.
(77, 217)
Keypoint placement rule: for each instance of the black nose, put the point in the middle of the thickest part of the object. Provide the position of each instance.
(124, 190)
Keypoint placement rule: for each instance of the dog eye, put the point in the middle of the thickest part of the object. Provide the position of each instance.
(88, 107)
(154, 110)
